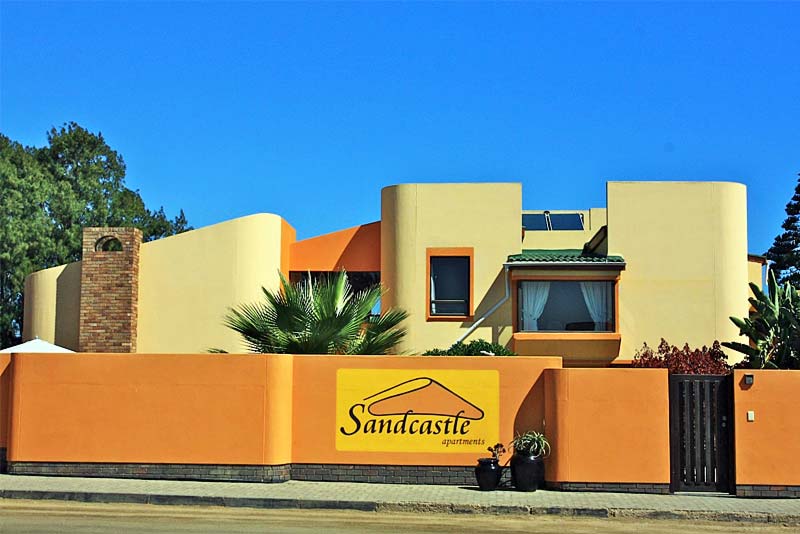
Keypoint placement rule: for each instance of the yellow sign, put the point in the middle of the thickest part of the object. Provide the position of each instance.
(412, 410)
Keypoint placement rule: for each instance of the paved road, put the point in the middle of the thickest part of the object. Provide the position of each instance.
(28, 517)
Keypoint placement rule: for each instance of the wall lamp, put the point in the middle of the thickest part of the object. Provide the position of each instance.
(749, 379)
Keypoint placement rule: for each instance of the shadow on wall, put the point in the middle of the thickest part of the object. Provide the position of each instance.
(530, 415)
(68, 304)
(362, 252)
(5, 403)
(500, 320)
(353, 249)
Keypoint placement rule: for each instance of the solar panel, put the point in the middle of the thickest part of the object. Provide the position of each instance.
(534, 221)
(566, 221)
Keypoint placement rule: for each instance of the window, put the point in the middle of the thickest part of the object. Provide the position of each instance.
(566, 306)
(552, 221)
(450, 283)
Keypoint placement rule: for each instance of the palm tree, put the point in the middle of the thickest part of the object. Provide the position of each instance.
(322, 317)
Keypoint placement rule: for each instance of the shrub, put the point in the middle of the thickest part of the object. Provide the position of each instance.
(702, 361)
(531, 443)
(476, 347)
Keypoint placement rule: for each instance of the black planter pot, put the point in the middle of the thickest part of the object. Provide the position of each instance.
(488, 473)
(527, 472)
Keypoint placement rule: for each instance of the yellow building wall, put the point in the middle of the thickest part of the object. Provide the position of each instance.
(187, 282)
(755, 274)
(685, 244)
(415, 217)
(52, 305)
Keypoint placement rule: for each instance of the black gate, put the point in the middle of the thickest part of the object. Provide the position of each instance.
(701, 433)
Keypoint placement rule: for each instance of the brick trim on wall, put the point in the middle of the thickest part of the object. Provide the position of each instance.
(218, 473)
(385, 474)
(388, 474)
(611, 487)
(745, 490)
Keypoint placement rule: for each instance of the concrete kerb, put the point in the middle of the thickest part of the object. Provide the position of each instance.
(406, 507)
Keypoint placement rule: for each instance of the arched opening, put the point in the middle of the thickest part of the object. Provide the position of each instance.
(108, 243)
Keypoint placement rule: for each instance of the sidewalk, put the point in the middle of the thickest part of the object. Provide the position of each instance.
(405, 498)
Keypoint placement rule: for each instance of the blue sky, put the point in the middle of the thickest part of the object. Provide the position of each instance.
(307, 110)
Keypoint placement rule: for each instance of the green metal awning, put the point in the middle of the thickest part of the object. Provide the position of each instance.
(560, 257)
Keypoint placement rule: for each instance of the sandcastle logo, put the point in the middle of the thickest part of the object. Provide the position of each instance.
(416, 411)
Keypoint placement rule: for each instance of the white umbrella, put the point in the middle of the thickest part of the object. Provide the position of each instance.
(36, 345)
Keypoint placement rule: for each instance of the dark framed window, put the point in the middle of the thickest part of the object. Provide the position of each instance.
(449, 283)
(566, 306)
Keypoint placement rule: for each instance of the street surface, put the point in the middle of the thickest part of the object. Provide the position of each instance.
(43, 517)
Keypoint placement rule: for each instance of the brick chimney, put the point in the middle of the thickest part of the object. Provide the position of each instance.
(109, 289)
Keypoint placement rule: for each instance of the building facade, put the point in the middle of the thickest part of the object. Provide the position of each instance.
(661, 260)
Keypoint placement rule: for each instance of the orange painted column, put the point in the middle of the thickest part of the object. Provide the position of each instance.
(278, 409)
(556, 416)
(608, 425)
(5, 398)
(768, 447)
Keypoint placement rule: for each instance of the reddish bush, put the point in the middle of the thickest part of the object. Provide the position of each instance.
(703, 361)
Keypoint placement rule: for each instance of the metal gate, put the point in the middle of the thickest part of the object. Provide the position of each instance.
(701, 433)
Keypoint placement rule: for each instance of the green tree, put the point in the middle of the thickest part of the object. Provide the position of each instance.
(26, 239)
(47, 196)
(785, 250)
(322, 317)
(89, 190)
(773, 328)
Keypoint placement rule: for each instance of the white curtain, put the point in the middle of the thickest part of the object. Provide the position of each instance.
(433, 295)
(534, 298)
(597, 296)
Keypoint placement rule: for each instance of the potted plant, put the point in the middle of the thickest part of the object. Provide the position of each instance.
(488, 471)
(527, 463)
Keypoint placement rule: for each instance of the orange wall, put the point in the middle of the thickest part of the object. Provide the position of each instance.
(579, 349)
(224, 409)
(314, 426)
(608, 425)
(288, 239)
(205, 409)
(605, 425)
(353, 249)
(767, 449)
(5, 397)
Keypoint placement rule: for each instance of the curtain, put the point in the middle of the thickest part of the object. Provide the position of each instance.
(597, 296)
(534, 298)
(433, 295)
